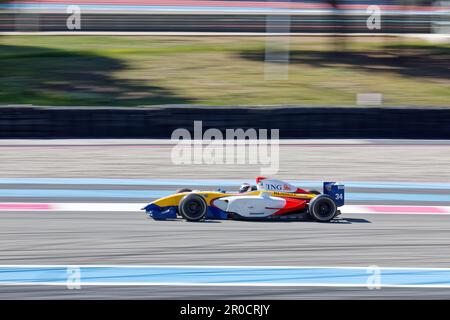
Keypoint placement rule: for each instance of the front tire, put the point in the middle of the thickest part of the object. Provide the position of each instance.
(322, 208)
(193, 207)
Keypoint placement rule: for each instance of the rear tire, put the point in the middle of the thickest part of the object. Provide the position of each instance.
(193, 207)
(322, 208)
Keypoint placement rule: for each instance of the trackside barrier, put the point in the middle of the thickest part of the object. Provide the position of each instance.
(159, 122)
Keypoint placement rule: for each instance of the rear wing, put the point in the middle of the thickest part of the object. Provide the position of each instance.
(336, 191)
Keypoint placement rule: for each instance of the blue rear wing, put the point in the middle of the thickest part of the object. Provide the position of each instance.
(336, 191)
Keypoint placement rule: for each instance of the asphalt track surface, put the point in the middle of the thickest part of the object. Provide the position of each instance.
(83, 238)
(338, 160)
(117, 238)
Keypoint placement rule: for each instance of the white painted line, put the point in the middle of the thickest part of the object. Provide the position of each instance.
(396, 209)
(99, 207)
(74, 206)
(354, 209)
(218, 284)
(31, 266)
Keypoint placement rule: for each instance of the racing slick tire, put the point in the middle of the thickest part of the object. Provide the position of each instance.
(182, 190)
(193, 207)
(322, 208)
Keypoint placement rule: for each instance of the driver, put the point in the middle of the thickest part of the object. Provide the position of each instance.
(246, 187)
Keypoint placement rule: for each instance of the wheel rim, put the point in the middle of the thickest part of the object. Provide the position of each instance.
(194, 208)
(324, 209)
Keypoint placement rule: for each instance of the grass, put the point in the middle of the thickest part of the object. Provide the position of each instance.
(138, 70)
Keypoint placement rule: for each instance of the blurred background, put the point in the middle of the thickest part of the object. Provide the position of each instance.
(350, 69)
(230, 52)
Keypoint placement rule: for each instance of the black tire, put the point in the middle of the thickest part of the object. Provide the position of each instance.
(182, 190)
(322, 208)
(314, 191)
(193, 207)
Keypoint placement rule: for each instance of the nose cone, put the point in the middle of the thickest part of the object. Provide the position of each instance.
(160, 213)
(151, 207)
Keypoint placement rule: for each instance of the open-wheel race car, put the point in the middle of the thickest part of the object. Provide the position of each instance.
(269, 199)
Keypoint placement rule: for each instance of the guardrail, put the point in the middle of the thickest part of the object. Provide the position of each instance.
(159, 122)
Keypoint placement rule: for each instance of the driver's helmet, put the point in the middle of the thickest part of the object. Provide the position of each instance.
(245, 187)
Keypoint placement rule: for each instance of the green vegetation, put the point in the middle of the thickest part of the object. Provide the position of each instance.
(138, 70)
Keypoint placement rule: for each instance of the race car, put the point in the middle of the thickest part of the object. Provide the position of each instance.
(269, 199)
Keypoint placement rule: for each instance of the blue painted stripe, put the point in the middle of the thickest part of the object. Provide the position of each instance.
(125, 182)
(111, 275)
(217, 182)
(150, 194)
(115, 7)
(72, 193)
